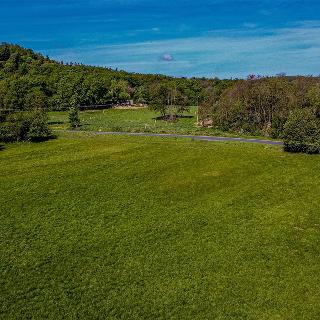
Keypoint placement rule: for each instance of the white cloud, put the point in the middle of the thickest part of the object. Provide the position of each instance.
(167, 57)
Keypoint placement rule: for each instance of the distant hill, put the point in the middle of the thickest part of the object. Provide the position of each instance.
(28, 80)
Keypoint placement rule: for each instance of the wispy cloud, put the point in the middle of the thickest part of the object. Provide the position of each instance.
(250, 25)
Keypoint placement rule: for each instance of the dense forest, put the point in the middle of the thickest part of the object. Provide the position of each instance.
(29, 80)
(277, 107)
(261, 105)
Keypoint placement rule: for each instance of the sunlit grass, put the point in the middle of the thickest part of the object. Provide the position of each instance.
(103, 227)
(133, 120)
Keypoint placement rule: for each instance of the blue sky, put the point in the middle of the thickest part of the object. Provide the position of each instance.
(223, 38)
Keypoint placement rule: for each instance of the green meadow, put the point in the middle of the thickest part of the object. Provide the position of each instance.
(132, 120)
(118, 227)
(139, 120)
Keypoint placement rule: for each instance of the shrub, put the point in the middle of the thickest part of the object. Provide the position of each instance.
(302, 132)
(26, 126)
(39, 129)
(74, 117)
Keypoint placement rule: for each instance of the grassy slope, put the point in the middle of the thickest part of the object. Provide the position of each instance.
(137, 120)
(145, 228)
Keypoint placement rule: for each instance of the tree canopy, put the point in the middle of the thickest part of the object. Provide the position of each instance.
(30, 80)
(261, 105)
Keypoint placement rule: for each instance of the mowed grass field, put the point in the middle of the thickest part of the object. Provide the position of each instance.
(133, 120)
(128, 120)
(110, 227)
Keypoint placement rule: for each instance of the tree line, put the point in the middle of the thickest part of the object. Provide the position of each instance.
(30, 80)
(278, 107)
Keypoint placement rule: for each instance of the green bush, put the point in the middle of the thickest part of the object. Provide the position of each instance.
(302, 132)
(74, 117)
(25, 126)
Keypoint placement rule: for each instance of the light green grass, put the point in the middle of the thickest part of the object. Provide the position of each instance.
(134, 120)
(103, 227)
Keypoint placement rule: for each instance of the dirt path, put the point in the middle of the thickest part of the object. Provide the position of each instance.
(195, 137)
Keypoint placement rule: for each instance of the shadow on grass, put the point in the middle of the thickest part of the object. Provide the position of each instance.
(55, 122)
(44, 139)
(169, 117)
